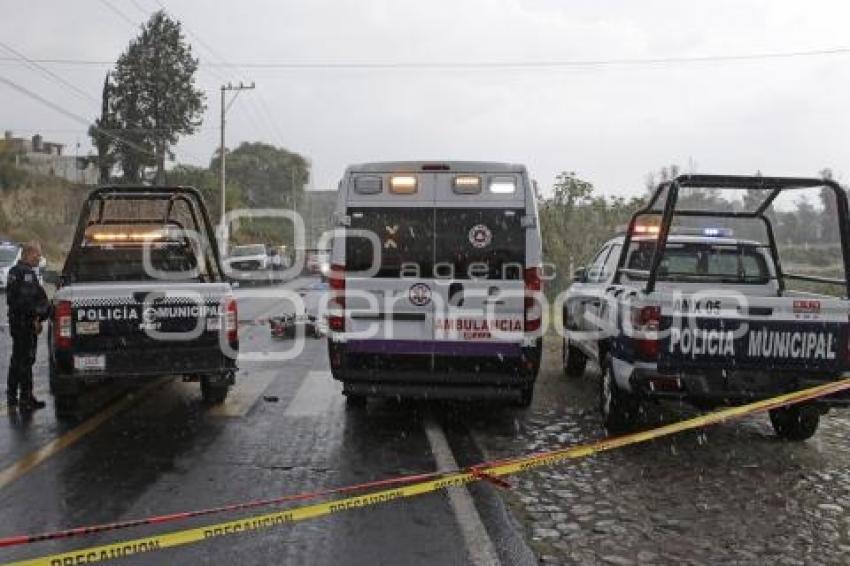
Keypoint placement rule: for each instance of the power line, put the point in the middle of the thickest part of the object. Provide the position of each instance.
(450, 65)
(39, 67)
(67, 113)
(141, 8)
(256, 114)
(119, 13)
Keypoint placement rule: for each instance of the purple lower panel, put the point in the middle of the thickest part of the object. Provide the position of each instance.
(506, 349)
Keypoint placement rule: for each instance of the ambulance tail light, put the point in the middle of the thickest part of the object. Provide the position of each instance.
(533, 306)
(231, 320)
(336, 304)
(645, 320)
(63, 333)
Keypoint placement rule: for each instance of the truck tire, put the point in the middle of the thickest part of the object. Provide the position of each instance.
(797, 422)
(66, 406)
(51, 375)
(619, 408)
(526, 396)
(353, 400)
(574, 360)
(213, 393)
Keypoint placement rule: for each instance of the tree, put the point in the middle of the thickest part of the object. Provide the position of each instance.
(154, 99)
(270, 176)
(574, 223)
(208, 183)
(102, 131)
(829, 224)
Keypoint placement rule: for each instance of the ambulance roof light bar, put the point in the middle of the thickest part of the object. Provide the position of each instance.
(403, 184)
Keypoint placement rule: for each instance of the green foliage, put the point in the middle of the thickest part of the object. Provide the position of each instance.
(259, 175)
(10, 175)
(574, 224)
(153, 100)
(208, 183)
(269, 176)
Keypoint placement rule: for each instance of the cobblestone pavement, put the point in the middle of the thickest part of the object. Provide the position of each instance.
(732, 493)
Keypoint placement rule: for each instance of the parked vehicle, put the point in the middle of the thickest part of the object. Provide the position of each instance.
(251, 257)
(449, 311)
(142, 294)
(704, 317)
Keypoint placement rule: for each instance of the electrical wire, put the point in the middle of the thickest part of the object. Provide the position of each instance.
(257, 114)
(118, 13)
(450, 65)
(55, 77)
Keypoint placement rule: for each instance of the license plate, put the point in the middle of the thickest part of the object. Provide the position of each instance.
(90, 363)
(214, 324)
(90, 327)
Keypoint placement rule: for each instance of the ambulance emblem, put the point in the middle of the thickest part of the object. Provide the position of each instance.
(419, 294)
(480, 236)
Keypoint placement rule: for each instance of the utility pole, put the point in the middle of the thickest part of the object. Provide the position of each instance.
(224, 88)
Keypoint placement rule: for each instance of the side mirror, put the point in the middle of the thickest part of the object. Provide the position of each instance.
(580, 275)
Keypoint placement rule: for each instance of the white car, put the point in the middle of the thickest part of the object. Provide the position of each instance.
(9, 256)
(252, 257)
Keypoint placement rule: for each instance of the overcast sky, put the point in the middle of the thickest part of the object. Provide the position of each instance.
(612, 124)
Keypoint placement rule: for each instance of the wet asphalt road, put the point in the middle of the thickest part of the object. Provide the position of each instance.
(729, 494)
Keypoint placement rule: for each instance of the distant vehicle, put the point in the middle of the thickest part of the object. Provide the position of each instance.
(252, 257)
(697, 315)
(317, 262)
(453, 313)
(10, 253)
(140, 296)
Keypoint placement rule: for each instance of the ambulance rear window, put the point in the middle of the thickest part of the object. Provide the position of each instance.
(480, 243)
(446, 243)
(406, 237)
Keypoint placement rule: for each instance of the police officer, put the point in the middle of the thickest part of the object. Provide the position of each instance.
(28, 307)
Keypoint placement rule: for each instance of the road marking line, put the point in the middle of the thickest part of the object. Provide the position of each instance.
(33, 459)
(243, 394)
(479, 547)
(318, 394)
(452, 479)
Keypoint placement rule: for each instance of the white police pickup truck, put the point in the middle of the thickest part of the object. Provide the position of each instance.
(697, 315)
(141, 295)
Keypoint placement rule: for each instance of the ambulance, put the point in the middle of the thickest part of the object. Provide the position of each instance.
(435, 282)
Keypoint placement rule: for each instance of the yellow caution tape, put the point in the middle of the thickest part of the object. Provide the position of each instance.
(188, 536)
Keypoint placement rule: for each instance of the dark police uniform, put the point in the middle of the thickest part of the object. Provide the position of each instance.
(27, 302)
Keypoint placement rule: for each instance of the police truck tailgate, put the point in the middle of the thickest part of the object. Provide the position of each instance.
(754, 333)
(146, 328)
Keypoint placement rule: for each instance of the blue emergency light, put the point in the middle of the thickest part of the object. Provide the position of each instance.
(717, 232)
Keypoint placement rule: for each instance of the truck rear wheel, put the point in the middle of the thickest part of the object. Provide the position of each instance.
(619, 408)
(66, 405)
(354, 400)
(797, 422)
(214, 392)
(574, 360)
(526, 396)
